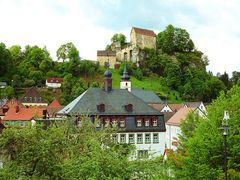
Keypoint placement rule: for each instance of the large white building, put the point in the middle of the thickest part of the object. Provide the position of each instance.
(137, 122)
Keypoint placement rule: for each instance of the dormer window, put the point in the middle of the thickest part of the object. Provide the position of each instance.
(154, 122)
(101, 107)
(129, 108)
(25, 99)
(35, 99)
(146, 122)
(30, 99)
(139, 122)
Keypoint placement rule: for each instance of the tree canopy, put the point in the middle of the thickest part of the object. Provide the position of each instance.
(201, 152)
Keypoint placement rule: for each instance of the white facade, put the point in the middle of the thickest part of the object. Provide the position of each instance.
(53, 85)
(166, 108)
(172, 133)
(125, 85)
(150, 144)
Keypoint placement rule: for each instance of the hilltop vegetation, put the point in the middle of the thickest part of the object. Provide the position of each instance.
(176, 70)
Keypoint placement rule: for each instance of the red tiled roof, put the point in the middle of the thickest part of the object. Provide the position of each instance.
(180, 115)
(54, 103)
(53, 108)
(54, 80)
(175, 107)
(145, 32)
(23, 114)
(13, 103)
(32, 96)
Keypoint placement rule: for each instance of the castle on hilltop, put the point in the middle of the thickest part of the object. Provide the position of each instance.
(132, 51)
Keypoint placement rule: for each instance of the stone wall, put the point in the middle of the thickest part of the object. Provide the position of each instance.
(103, 59)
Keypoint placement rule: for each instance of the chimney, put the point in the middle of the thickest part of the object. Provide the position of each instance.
(17, 109)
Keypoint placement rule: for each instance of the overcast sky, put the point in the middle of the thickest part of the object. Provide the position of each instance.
(214, 25)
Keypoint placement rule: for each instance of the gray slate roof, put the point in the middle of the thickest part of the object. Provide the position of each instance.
(147, 96)
(114, 102)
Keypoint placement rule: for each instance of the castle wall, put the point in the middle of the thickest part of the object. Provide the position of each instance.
(102, 59)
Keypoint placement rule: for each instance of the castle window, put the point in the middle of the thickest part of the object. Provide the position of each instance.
(129, 108)
(101, 107)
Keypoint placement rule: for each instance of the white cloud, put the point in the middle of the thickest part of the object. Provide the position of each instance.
(37, 23)
(213, 25)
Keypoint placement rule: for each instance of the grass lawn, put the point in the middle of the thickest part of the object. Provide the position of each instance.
(149, 83)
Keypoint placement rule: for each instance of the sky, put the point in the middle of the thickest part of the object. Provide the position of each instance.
(213, 25)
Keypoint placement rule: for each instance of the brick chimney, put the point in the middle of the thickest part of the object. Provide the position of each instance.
(17, 108)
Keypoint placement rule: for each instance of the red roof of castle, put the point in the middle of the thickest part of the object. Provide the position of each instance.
(54, 80)
(145, 32)
(26, 114)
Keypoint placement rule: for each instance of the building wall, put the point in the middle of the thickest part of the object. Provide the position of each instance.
(166, 108)
(154, 149)
(172, 132)
(53, 85)
(125, 85)
(103, 59)
(35, 104)
(143, 41)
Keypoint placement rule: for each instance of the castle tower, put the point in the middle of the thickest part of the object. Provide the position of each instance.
(125, 82)
(108, 79)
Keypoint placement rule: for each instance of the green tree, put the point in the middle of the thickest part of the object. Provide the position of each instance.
(121, 38)
(201, 150)
(173, 40)
(7, 92)
(68, 51)
(5, 60)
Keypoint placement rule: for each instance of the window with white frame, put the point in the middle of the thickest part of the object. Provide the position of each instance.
(22, 123)
(147, 138)
(115, 138)
(122, 138)
(139, 138)
(142, 154)
(139, 122)
(154, 122)
(146, 122)
(121, 123)
(98, 123)
(155, 138)
(114, 123)
(131, 138)
(107, 122)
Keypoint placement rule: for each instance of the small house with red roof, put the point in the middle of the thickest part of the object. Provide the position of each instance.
(53, 108)
(54, 82)
(21, 116)
(33, 98)
(173, 127)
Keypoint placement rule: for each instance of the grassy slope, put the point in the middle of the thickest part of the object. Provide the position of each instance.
(148, 83)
